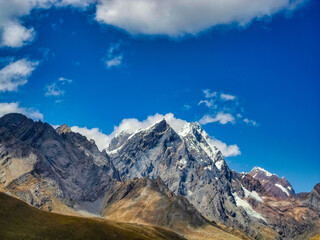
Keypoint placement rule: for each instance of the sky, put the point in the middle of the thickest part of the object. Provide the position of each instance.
(248, 72)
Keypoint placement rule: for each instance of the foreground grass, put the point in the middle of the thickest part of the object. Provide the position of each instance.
(18, 220)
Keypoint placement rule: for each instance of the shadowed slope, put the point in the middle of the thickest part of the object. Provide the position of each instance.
(21, 221)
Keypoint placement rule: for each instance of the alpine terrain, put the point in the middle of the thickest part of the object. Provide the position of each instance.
(171, 181)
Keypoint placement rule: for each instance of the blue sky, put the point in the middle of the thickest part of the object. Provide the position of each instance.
(73, 63)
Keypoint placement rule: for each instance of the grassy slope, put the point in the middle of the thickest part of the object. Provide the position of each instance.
(146, 204)
(18, 220)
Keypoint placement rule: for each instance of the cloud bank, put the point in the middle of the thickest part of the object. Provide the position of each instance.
(14, 107)
(179, 17)
(174, 18)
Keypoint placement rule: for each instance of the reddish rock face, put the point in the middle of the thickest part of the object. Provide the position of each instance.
(312, 199)
(274, 186)
(252, 184)
(317, 188)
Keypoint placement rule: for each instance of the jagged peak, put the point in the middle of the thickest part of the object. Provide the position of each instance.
(189, 128)
(259, 169)
(157, 126)
(162, 122)
(64, 128)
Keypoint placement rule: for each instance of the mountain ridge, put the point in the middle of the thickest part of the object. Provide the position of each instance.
(56, 168)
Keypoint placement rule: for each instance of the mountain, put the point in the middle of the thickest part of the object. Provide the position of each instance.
(191, 167)
(48, 169)
(286, 213)
(173, 178)
(18, 220)
(64, 172)
(274, 186)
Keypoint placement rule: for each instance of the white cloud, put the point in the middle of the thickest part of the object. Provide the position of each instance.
(226, 150)
(250, 122)
(223, 108)
(114, 58)
(16, 74)
(187, 107)
(208, 103)
(76, 3)
(16, 35)
(169, 17)
(116, 61)
(227, 97)
(179, 17)
(64, 80)
(14, 107)
(131, 125)
(221, 117)
(55, 88)
(12, 32)
(208, 93)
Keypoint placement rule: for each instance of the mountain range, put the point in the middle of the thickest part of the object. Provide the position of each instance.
(158, 176)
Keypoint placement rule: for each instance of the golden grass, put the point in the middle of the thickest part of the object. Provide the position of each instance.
(18, 220)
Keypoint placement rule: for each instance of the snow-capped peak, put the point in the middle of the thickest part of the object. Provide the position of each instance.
(259, 169)
(191, 128)
(197, 139)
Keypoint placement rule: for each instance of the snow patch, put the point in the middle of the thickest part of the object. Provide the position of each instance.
(252, 194)
(246, 206)
(182, 163)
(264, 171)
(282, 188)
(219, 164)
(208, 167)
(187, 133)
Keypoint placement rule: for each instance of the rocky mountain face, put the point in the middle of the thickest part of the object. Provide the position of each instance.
(41, 166)
(311, 199)
(191, 167)
(274, 186)
(158, 176)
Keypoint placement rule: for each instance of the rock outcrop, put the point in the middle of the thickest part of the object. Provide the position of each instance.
(42, 166)
(274, 186)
